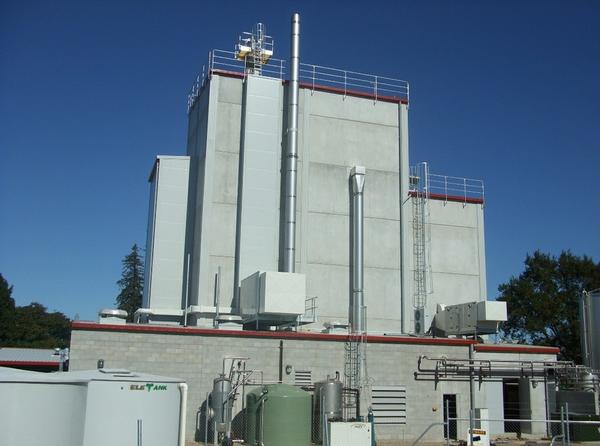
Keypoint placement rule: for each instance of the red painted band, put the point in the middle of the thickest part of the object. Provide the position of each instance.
(316, 87)
(517, 349)
(355, 93)
(29, 363)
(453, 198)
(145, 328)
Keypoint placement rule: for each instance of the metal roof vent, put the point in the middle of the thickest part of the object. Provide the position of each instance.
(112, 316)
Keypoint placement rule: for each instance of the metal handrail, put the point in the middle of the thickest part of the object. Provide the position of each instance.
(448, 186)
(353, 80)
(315, 75)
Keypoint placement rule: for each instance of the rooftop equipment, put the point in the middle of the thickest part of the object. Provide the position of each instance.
(255, 49)
(112, 316)
(473, 318)
(272, 298)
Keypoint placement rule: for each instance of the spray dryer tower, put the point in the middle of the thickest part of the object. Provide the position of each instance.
(295, 218)
(254, 228)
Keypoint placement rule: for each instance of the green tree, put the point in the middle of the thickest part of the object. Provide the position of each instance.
(7, 311)
(36, 327)
(30, 326)
(543, 302)
(131, 282)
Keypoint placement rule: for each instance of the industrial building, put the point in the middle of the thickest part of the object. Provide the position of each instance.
(294, 243)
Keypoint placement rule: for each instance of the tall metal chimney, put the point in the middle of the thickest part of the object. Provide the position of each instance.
(291, 156)
(357, 317)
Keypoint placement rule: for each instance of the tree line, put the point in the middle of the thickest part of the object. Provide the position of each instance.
(542, 302)
(33, 326)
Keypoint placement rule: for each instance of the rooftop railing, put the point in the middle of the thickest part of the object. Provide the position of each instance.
(444, 186)
(351, 81)
(311, 76)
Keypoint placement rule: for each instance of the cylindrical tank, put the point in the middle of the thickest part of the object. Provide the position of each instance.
(590, 328)
(278, 414)
(327, 401)
(221, 403)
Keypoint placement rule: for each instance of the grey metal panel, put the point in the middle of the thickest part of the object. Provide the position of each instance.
(166, 241)
(28, 354)
(201, 149)
(258, 196)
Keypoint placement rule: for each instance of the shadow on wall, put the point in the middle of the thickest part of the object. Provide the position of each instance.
(205, 431)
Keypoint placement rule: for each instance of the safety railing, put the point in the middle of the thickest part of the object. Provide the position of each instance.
(348, 82)
(444, 186)
(562, 428)
(226, 61)
(312, 76)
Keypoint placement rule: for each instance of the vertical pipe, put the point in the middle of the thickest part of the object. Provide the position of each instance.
(139, 432)
(280, 362)
(562, 424)
(217, 297)
(583, 321)
(206, 413)
(183, 389)
(471, 394)
(567, 425)
(291, 156)
(447, 408)
(187, 291)
(405, 230)
(357, 323)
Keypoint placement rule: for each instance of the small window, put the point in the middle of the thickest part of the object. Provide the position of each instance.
(303, 378)
(389, 404)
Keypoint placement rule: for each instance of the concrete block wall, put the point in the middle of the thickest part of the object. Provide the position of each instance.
(196, 356)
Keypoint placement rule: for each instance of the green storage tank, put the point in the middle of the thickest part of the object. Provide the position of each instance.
(284, 419)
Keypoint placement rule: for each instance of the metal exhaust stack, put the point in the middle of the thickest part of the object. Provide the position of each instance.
(291, 156)
(357, 320)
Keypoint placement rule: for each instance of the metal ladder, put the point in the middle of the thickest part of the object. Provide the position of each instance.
(355, 357)
(419, 208)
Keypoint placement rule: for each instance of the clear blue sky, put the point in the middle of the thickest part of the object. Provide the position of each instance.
(90, 92)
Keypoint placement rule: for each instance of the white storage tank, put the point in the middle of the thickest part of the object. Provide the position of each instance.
(91, 408)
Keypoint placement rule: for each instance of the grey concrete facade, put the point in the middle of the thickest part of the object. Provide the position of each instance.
(165, 247)
(196, 356)
(456, 251)
(336, 132)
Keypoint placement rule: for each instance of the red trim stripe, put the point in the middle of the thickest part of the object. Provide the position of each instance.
(453, 198)
(355, 93)
(517, 349)
(325, 88)
(193, 331)
(5, 363)
(307, 336)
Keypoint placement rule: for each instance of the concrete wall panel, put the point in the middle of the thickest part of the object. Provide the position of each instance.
(349, 143)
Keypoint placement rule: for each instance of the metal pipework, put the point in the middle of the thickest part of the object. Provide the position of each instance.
(291, 156)
(356, 316)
